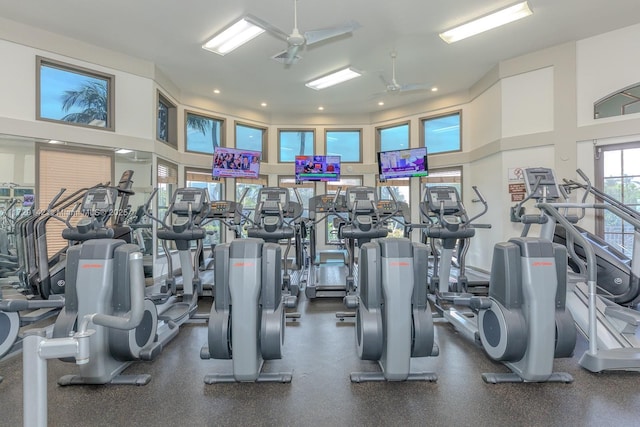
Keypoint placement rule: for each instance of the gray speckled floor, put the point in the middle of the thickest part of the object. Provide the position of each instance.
(321, 353)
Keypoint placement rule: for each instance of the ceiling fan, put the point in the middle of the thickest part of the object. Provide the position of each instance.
(394, 86)
(297, 41)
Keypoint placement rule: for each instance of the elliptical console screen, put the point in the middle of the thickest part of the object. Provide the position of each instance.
(98, 200)
(185, 197)
(436, 195)
(361, 195)
(547, 186)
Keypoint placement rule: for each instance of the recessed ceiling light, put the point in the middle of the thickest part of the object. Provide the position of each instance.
(263, 104)
(216, 91)
(333, 78)
(321, 108)
(381, 103)
(123, 151)
(487, 22)
(233, 37)
(53, 141)
(434, 89)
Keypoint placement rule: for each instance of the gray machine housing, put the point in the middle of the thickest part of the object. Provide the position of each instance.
(393, 317)
(99, 282)
(524, 322)
(247, 318)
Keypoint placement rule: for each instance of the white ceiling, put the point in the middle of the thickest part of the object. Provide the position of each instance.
(170, 34)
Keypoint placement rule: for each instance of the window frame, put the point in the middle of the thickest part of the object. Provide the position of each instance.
(599, 214)
(160, 161)
(280, 131)
(110, 79)
(359, 130)
(424, 180)
(172, 120)
(423, 141)
(223, 124)
(382, 128)
(265, 138)
(597, 105)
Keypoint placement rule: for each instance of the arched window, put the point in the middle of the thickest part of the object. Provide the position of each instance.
(625, 101)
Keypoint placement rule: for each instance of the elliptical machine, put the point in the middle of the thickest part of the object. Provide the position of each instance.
(47, 281)
(247, 318)
(99, 281)
(274, 220)
(523, 322)
(393, 317)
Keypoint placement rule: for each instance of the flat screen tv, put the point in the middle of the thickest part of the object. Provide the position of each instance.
(317, 168)
(235, 163)
(405, 163)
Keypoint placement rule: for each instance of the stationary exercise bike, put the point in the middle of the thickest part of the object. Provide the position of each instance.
(393, 317)
(523, 323)
(247, 318)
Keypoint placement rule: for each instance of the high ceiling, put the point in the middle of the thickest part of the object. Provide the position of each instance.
(170, 33)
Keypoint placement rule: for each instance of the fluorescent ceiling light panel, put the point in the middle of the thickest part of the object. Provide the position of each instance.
(234, 36)
(333, 79)
(493, 20)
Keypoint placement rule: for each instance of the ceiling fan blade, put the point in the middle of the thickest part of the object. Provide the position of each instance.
(315, 36)
(414, 87)
(384, 80)
(268, 27)
(292, 55)
(283, 57)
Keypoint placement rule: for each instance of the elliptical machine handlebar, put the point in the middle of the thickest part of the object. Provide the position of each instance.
(482, 200)
(395, 210)
(239, 210)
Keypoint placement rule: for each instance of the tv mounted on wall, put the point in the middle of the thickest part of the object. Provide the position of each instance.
(317, 168)
(404, 163)
(235, 163)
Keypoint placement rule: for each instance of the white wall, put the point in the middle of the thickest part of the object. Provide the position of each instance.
(527, 103)
(484, 120)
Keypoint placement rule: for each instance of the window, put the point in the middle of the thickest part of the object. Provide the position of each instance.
(167, 121)
(252, 138)
(292, 143)
(331, 234)
(625, 101)
(619, 176)
(203, 133)
(247, 194)
(167, 184)
(201, 178)
(74, 95)
(344, 143)
(444, 176)
(441, 134)
(393, 138)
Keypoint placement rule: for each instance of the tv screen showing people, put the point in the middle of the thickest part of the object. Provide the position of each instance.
(317, 168)
(405, 163)
(235, 163)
